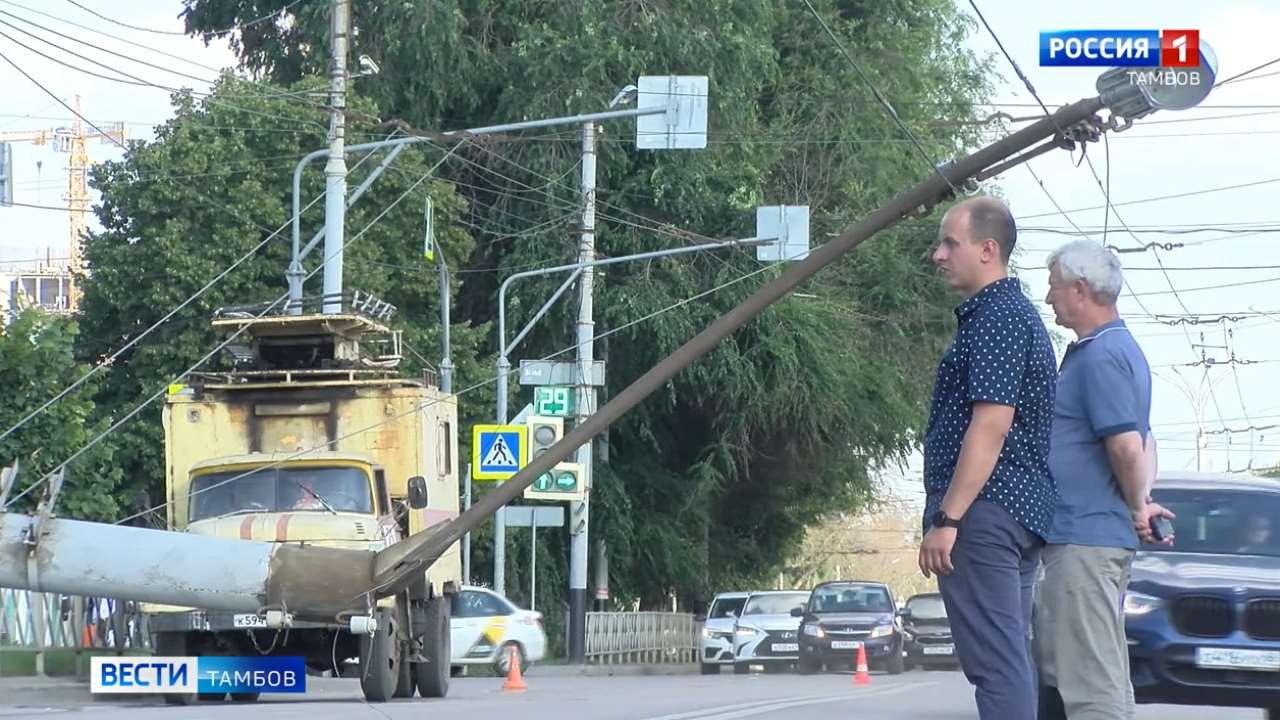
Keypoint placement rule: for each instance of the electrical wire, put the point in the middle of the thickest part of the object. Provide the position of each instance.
(240, 26)
(881, 98)
(1159, 198)
(1250, 71)
(134, 80)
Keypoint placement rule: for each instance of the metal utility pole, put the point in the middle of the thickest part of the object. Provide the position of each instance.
(335, 171)
(585, 402)
(500, 522)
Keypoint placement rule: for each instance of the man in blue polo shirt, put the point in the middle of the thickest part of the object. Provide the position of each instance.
(989, 494)
(1101, 462)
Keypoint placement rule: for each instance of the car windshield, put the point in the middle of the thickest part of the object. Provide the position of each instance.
(726, 607)
(780, 604)
(1232, 522)
(851, 599)
(316, 489)
(927, 608)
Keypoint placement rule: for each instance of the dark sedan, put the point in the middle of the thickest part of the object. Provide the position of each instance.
(1203, 616)
(928, 632)
(841, 616)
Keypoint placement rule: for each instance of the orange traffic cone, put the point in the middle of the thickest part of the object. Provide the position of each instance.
(862, 677)
(515, 682)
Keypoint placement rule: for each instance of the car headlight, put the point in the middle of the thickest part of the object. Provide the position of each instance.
(813, 631)
(715, 634)
(882, 631)
(744, 632)
(1136, 603)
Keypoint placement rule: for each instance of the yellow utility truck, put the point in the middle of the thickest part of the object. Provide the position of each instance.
(315, 437)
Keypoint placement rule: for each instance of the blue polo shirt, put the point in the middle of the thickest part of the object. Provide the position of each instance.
(1001, 354)
(1104, 389)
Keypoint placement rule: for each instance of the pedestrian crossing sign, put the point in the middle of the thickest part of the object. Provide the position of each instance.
(498, 451)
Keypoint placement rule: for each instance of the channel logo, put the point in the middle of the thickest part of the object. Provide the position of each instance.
(1120, 48)
(198, 675)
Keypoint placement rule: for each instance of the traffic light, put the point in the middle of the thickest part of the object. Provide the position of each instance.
(565, 481)
(544, 431)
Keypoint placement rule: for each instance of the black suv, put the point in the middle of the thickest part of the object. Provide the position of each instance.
(928, 632)
(843, 615)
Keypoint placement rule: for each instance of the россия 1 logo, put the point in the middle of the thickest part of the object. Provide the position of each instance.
(1120, 48)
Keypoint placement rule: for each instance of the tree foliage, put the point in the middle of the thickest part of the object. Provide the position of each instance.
(712, 480)
(37, 361)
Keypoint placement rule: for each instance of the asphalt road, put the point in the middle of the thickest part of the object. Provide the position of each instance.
(915, 695)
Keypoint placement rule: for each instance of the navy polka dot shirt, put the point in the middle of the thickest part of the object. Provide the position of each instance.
(1001, 354)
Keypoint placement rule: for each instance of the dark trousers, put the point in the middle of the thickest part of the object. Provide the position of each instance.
(988, 598)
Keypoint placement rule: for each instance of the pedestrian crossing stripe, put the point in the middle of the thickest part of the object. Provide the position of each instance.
(498, 451)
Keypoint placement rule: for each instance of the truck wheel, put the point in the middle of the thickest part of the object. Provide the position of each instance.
(245, 697)
(432, 676)
(404, 679)
(379, 661)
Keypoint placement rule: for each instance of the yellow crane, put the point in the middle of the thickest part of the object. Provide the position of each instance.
(73, 140)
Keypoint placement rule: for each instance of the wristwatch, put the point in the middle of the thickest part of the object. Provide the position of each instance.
(940, 519)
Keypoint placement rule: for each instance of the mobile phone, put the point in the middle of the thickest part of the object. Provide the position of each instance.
(1161, 528)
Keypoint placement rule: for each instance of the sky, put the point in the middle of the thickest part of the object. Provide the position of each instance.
(1224, 261)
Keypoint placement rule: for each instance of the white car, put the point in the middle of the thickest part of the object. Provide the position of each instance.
(486, 626)
(717, 631)
(766, 633)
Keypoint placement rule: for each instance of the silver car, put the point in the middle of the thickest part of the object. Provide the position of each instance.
(766, 633)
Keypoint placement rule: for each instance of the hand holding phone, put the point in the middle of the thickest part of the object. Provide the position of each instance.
(1161, 529)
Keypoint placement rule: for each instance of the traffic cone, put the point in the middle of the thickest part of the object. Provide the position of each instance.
(515, 682)
(862, 677)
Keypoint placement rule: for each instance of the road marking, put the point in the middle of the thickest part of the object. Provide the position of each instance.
(732, 712)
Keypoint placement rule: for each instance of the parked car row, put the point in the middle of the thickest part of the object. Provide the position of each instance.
(824, 628)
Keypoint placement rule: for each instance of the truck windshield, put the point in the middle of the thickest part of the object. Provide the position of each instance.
(309, 489)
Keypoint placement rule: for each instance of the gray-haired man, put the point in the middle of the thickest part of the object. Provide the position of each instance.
(1102, 464)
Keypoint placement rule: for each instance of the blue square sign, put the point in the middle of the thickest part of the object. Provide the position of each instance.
(498, 451)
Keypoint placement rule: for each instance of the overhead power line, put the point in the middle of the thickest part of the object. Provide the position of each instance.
(250, 23)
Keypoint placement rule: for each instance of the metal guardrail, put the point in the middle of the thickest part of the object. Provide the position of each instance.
(50, 621)
(641, 637)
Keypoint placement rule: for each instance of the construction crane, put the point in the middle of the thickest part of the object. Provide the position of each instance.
(73, 140)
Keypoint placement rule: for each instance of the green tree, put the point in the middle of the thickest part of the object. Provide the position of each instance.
(712, 480)
(210, 187)
(37, 361)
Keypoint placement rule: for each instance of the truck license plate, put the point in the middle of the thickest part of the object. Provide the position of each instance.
(1233, 659)
(939, 650)
(844, 644)
(245, 620)
(785, 647)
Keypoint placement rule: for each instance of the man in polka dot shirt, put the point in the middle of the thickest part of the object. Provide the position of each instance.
(989, 495)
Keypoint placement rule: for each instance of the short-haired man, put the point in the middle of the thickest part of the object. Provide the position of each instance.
(1102, 462)
(989, 494)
